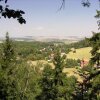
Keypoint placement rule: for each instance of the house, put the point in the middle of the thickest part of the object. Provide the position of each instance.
(84, 63)
(62, 54)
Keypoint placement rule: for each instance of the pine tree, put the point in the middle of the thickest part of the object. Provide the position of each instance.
(8, 53)
(7, 65)
(89, 89)
(95, 52)
(55, 84)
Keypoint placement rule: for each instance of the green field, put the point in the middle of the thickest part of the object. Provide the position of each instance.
(82, 53)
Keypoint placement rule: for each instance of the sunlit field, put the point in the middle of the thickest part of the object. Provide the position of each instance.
(82, 53)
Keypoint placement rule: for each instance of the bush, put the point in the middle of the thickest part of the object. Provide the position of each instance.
(70, 63)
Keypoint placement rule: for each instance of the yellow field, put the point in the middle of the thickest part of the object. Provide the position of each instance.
(41, 62)
(68, 71)
(83, 53)
(72, 71)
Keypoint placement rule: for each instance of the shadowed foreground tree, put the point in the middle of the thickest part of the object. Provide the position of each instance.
(18, 80)
(95, 43)
(6, 12)
(89, 89)
(7, 68)
(55, 84)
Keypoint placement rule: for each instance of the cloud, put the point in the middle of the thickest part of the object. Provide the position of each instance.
(39, 28)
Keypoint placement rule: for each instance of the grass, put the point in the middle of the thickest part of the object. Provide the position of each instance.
(68, 71)
(73, 72)
(82, 53)
(42, 62)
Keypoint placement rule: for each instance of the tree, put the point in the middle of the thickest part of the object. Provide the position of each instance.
(6, 12)
(7, 66)
(55, 84)
(8, 53)
(27, 81)
(90, 87)
(98, 17)
(18, 80)
(95, 43)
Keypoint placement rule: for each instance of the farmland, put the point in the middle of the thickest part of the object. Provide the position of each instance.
(82, 53)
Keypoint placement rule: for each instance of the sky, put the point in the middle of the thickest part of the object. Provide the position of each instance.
(44, 19)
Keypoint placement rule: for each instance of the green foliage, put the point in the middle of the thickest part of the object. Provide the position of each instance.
(55, 84)
(98, 17)
(98, 14)
(70, 63)
(7, 69)
(33, 50)
(95, 43)
(40, 50)
(89, 89)
(7, 53)
(27, 79)
(81, 44)
(19, 81)
(95, 91)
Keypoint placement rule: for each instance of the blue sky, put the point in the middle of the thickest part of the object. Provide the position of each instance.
(44, 20)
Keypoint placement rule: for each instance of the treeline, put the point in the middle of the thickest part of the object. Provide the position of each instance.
(72, 63)
(35, 50)
(81, 44)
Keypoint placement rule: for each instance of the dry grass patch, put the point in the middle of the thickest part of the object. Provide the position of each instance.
(68, 71)
(82, 53)
(72, 72)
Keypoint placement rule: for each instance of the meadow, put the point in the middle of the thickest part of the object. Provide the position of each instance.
(82, 53)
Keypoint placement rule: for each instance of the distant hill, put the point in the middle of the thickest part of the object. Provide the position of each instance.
(65, 39)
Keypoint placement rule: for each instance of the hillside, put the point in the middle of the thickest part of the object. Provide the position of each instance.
(80, 53)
